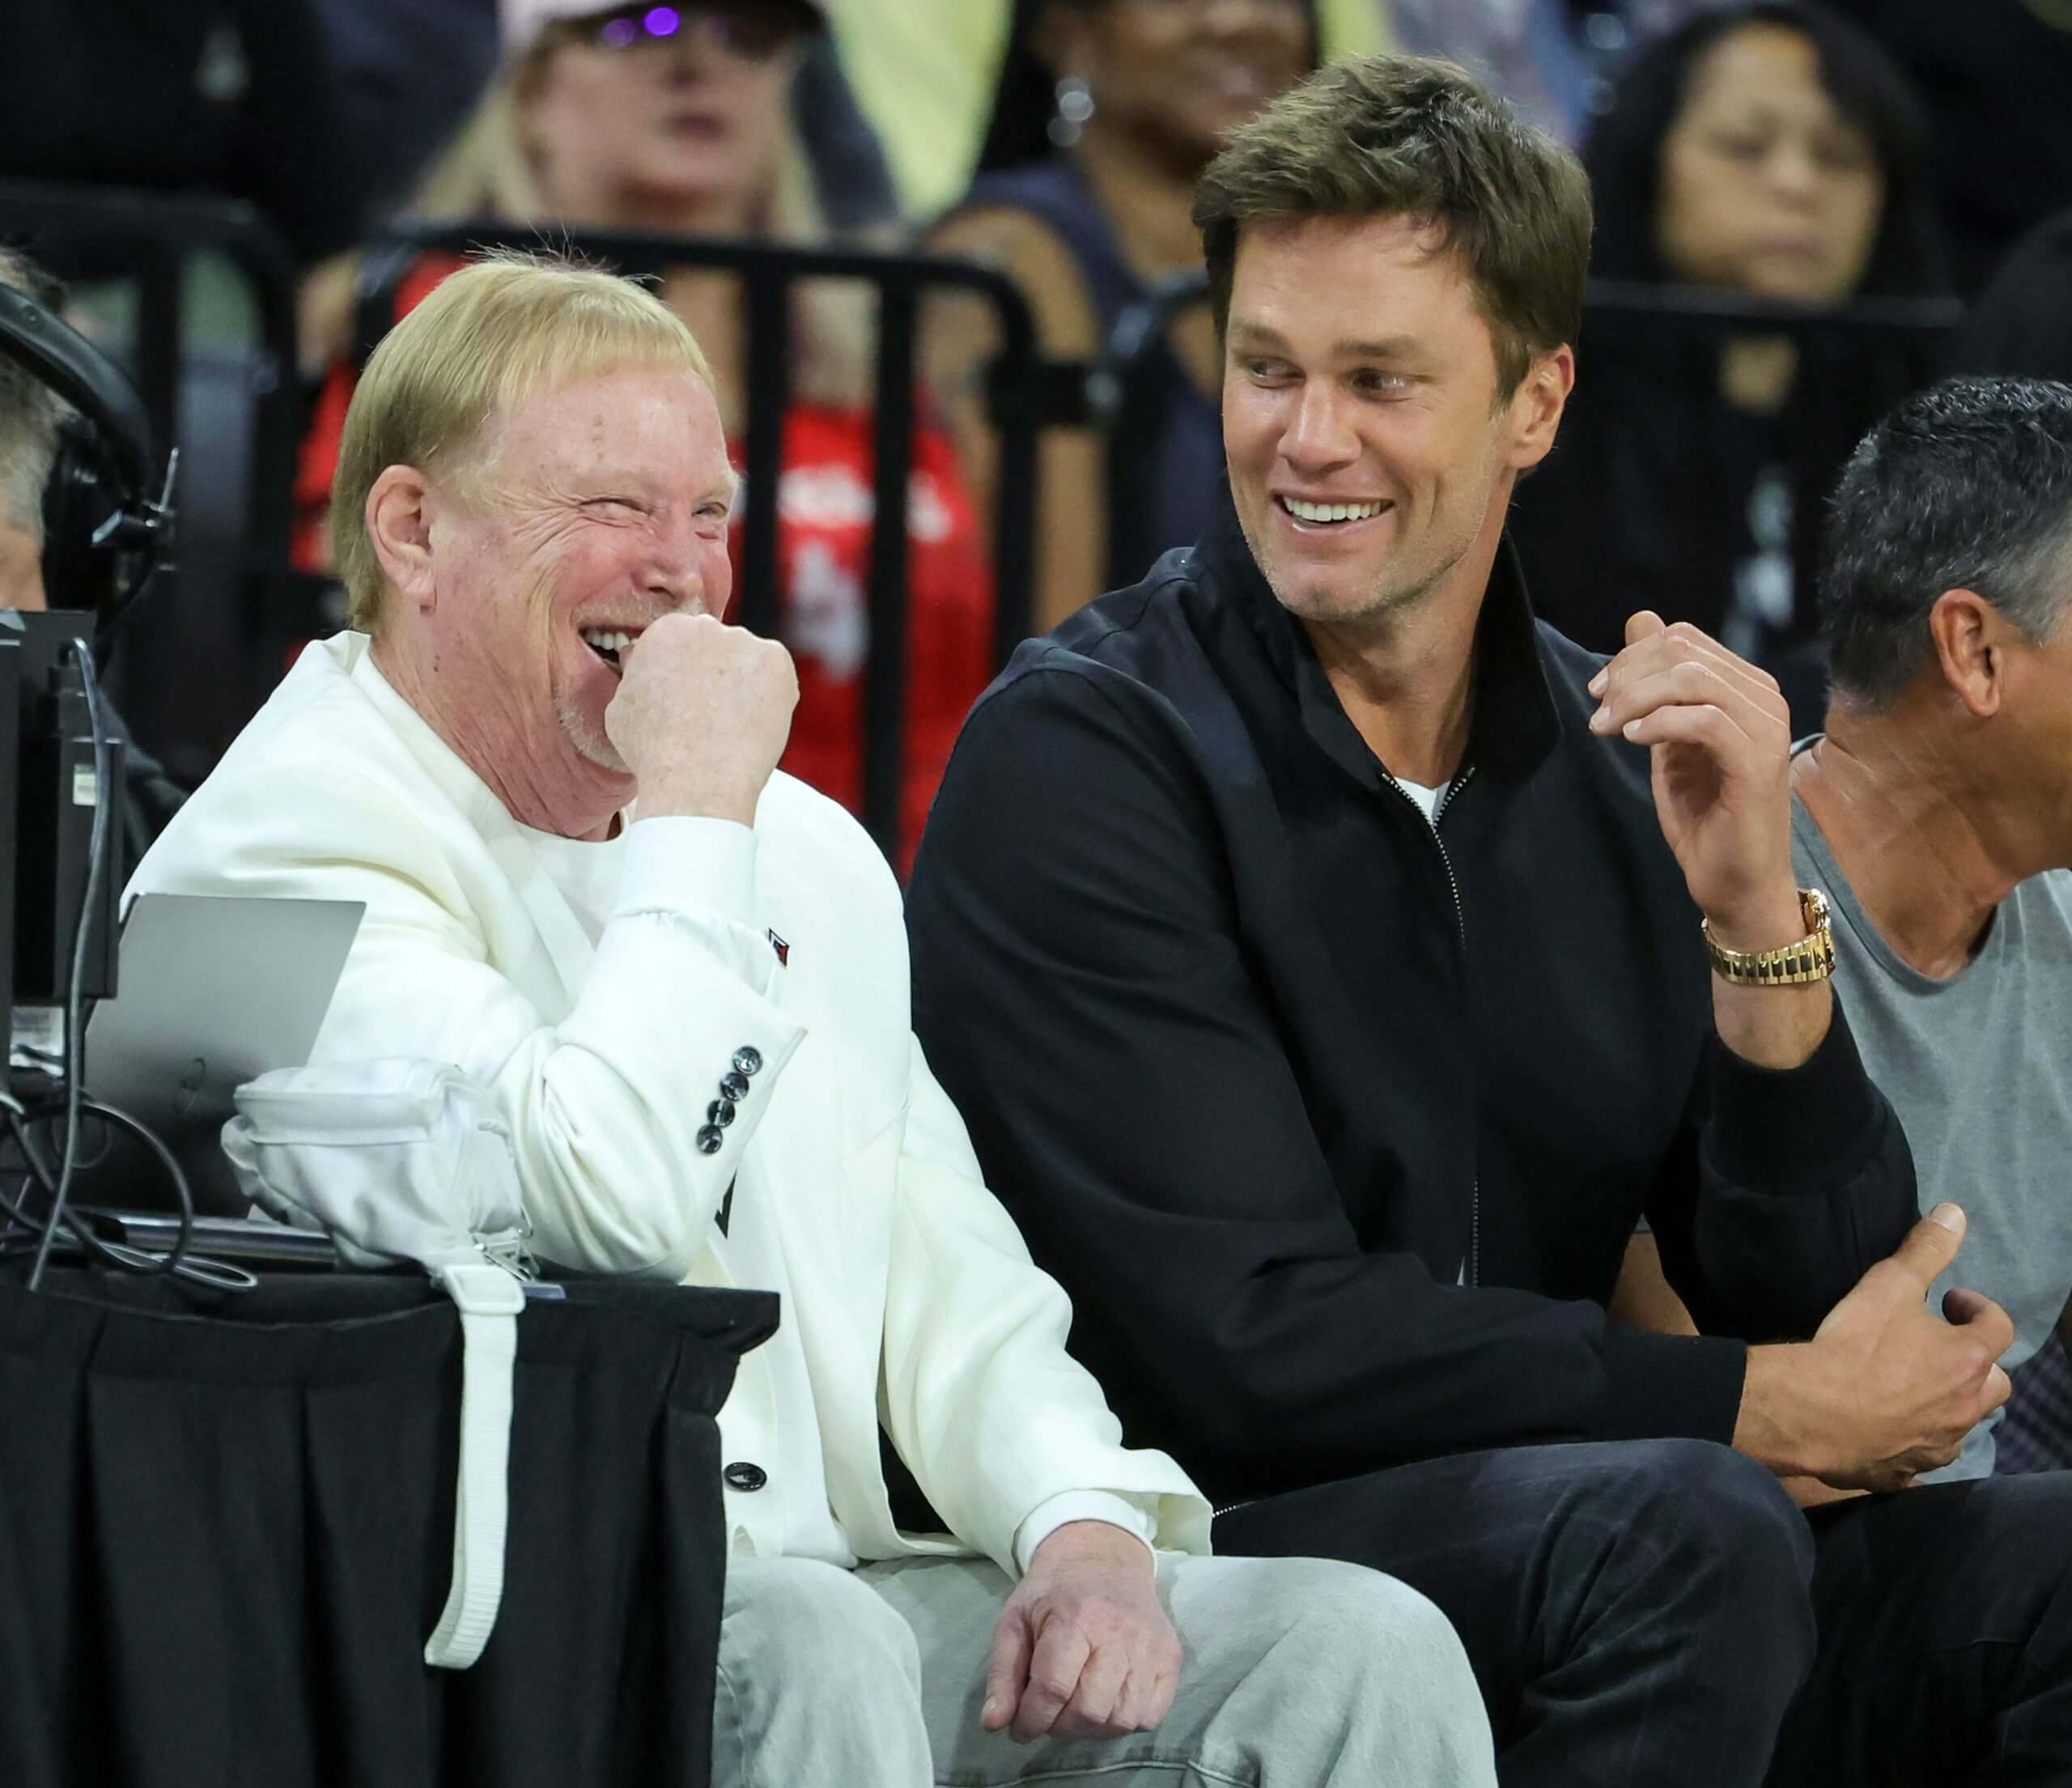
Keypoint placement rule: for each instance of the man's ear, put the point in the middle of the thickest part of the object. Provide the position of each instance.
(1536, 406)
(1972, 640)
(399, 524)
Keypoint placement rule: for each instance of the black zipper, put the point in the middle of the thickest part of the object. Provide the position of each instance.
(1460, 928)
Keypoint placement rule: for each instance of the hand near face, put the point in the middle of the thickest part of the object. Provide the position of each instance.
(702, 715)
(1719, 736)
(1083, 1648)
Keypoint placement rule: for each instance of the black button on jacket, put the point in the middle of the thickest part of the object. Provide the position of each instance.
(1336, 1129)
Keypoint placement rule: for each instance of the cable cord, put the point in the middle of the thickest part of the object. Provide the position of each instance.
(82, 934)
(20, 1121)
(197, 1269)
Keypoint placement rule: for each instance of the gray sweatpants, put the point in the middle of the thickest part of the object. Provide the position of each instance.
(1298, 1673)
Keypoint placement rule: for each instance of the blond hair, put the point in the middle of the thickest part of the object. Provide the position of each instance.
(509, 324)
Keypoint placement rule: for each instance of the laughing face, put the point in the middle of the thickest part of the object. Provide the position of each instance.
(1368, 457)
(587, 512)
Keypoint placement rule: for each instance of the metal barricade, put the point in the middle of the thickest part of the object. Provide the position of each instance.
(200, 655)
(1024, 394)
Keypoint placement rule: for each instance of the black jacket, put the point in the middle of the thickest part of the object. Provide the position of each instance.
(1263, 1067)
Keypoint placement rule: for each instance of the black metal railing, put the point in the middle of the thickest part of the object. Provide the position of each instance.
(1024, 396)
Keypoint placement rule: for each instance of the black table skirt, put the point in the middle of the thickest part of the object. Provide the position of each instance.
(226, 1530)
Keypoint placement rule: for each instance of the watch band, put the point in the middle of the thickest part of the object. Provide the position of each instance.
(1811, 958)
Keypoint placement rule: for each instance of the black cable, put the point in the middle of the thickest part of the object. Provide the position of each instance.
(81, 932)
(199, 1269)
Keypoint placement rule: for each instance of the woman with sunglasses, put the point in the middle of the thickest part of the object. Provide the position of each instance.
(675, 118)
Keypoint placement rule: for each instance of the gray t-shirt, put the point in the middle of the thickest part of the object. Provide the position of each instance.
(1976, 1066)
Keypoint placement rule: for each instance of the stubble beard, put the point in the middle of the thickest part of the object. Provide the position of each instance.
(1386, 604)
(591, 743)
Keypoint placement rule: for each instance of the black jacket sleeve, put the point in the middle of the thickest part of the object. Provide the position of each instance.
(1082, 992)
(1805, 1182)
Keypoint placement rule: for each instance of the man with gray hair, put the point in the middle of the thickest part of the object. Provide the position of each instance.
(31, 417)
(1936, 813)
(548, 770)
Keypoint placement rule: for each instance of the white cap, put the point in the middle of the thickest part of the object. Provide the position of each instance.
(519, 21)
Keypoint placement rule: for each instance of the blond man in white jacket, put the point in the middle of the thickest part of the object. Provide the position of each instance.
(548, 769)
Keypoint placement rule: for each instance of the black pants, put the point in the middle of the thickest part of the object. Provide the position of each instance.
(1643, 1615)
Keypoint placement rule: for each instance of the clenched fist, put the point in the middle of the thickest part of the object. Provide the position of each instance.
(702, 715)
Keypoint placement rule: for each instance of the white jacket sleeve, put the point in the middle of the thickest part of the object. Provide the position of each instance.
(992, 1415)
(606, 1105)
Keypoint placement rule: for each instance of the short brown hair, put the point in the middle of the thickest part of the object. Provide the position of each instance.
(1388, 136)
(510, 324)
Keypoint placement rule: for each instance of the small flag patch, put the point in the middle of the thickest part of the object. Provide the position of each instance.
(783, 951)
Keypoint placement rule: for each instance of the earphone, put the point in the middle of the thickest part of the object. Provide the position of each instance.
(105, 535)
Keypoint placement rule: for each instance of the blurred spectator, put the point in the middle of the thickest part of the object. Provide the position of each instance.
(32, 416)
(1993, 77)
(33, 422)
(2023, 323)
(1107, 111)
(924, 69)
(1770, 150)
(1548, 58)
(597, 121)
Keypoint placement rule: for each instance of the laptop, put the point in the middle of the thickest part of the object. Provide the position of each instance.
(212, 991)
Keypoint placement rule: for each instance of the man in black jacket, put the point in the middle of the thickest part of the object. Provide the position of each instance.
(1313, 944)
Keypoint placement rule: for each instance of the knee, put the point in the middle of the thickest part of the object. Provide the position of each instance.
(1377, 1632)
(817, 1623)
(1709, 1511)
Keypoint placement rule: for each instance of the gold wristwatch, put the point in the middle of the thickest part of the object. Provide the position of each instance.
(1811, 958)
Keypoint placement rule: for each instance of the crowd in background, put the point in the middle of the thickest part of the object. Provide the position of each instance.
(1816, 157)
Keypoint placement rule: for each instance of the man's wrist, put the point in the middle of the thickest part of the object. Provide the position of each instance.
(1784, 1423)
(1778, 918)
(1094, 1539)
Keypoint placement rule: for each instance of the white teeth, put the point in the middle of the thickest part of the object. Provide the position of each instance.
(606, 641)
(1331, 511)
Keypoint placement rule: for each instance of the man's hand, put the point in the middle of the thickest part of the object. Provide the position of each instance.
(702, 715)
(1719, 740)
(1883, 1390)
(1083, 1648)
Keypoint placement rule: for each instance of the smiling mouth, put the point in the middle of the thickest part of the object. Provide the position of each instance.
(1328, 515)
(609, 644)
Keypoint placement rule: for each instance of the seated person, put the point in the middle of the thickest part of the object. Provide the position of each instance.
(1313, 943)
(33, 419)
(549, 773)
(1930, 813)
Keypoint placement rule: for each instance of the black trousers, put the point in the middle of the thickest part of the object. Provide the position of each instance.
(1648, 1613)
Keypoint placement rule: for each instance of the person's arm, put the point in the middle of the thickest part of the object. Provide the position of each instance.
(1081, 989)
(1804, 1179)
(1002, 1430)
(604, 1106)
(1804, 1219)
(1071, 559)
